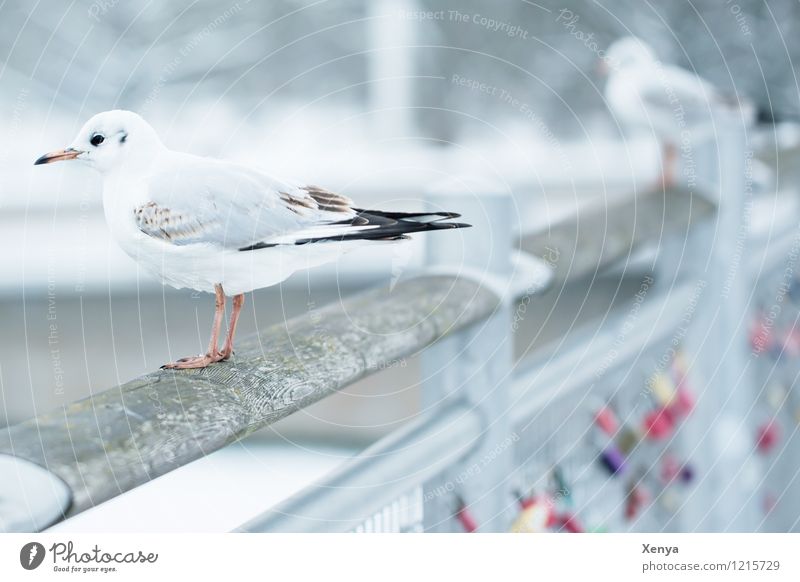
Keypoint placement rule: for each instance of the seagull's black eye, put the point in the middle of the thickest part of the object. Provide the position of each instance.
(97, 139)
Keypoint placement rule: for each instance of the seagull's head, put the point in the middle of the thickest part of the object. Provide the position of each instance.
(628, 52)
(109, 141)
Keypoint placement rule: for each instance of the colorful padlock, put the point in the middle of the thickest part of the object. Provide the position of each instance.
(658, 424)
(663, 389)
(767, 436)
(606, 420)
(613, 459)
(536, 516)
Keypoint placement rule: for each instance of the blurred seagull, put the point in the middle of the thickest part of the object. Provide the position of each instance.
(221, 227)
(647, 95)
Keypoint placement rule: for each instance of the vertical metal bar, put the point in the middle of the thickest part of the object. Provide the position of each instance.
(391, 66)
(717, 346)
(474, 366)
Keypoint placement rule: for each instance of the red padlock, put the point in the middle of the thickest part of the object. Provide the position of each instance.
(767, 436)
(637, 498)
(570, 523)
(464, 516)
(658, 424)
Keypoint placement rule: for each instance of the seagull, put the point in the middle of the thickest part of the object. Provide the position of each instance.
(217, 226)
(647, 95)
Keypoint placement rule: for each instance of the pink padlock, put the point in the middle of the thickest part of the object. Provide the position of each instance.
(569, 522)
(658, 424)
(607, 420)
(683, 403)
(670, 468)
(464, 516)
(760, 339)
(767, 436)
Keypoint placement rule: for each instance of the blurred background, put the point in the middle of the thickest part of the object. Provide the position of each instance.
(377, 100)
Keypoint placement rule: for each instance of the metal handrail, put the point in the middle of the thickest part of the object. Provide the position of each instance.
(118, 439)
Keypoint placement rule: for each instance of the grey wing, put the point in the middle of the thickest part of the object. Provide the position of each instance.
(231, 206)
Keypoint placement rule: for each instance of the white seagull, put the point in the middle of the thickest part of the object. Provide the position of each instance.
(217, 226)
(664, 100)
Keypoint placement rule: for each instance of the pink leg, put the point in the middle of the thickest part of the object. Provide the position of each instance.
(238, 303)
(668, 163)
(213, 354)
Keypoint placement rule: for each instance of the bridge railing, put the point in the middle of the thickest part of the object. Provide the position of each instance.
(459, 314)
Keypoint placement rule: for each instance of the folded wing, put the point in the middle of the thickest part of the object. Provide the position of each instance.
(230, 206)
(234, 207)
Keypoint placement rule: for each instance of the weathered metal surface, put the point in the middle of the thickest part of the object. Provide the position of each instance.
(118, 439)
(596, 237)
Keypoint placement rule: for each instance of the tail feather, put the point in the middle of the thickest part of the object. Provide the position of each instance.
(393, 225)
(373, 225)
(412, 216)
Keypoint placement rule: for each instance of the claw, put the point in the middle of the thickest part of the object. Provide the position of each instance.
(194, 362)
(214, 354)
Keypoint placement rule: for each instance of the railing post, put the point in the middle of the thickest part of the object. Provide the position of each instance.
(474, 366)
(720, 362)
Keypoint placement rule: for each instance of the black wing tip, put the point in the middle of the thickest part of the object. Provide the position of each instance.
(447, 215)
(443, 226)
(392, 229)
(408, 215)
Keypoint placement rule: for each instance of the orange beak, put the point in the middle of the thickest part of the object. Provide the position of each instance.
(57, 156)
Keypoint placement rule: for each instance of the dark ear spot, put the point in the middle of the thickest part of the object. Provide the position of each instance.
(123, 138)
